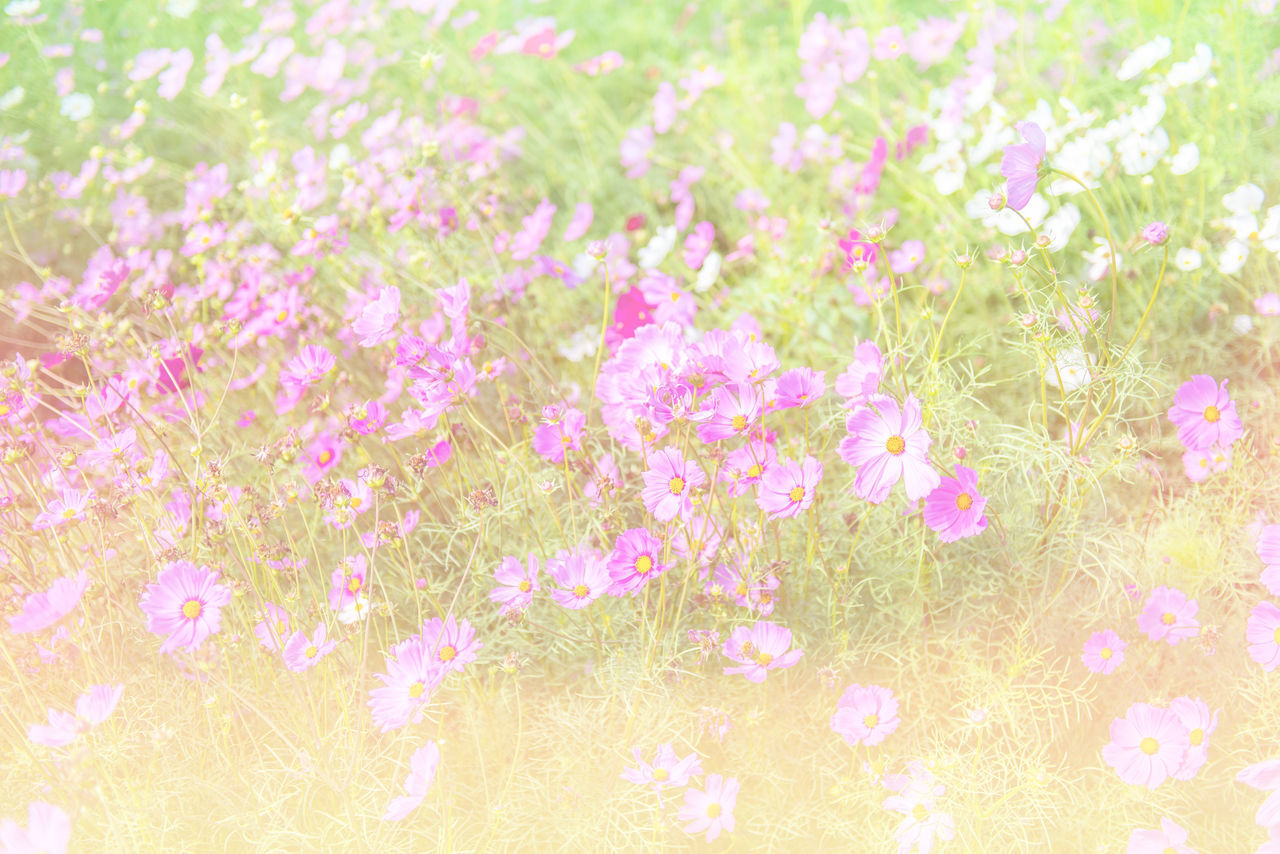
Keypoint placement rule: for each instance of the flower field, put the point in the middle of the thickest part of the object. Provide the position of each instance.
(552, 426)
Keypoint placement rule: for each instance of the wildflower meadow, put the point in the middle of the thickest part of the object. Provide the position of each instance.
(760, 425)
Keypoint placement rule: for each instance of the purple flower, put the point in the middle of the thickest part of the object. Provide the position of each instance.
(1021, 165)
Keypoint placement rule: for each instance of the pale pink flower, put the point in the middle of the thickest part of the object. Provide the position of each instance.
(1169, 839)
(865, 714)
(1103, 652)
(48, 831)
(1169, 616)
(763, 647)
(302, 653)
(667, 771)
(1205, 414)
(1263, 635)
(1147, 745)
(888, 443)
(185, 602)
(42, 610)
(422, 773)
(378, 319)
(669, 484)
(711, 810)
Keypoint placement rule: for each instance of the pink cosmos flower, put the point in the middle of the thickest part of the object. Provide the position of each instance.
(734, 412)
(744, 466)
(1263, 634)
(955, 508)
(799, 388)
(636, 559)
(185, 603)
(865, 714)
(582, 218)
(861, 379)
(1265, 776)
(1268, 549)
(273, 629)
(711, 810)
(1200, 723)
(562, 431)
(347, 581)
(519, 583)
(763, 647)
(412, 675)
(422, 773)
(1147, 745)
(698, 244)
(1169, 616)
(306, 369)
(1169, 839)
(669, 484)
(1103, 652)
(48, 831)
(452, 644)
(302, 653)
(581, 576)
(888, 443)
(1198, 465)
(1205, 414)
(1021, 165)
(666, 771)
(92, 708)
(377, 321)
(907, 257)
(788, 488)
(42, 610)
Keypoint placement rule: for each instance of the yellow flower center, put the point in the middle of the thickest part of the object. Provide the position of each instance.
(1168, 619)
(311, 652)
(68, 513)
(192, 609)
(416, 689)
(281, 627)
(1275, 636)
(919, 812)
(325, 457)
(282, 315)
(1211, 414)
(895, 445)
(449, 653)
(870, 721)
(676, 485)
(739, 423)
(755, 471)
(660, 774)
(1149, 746)
(356, 502)
(796, 494)
(713, 810)
(1105, 655)
(1197, 737)
(581, 591)
(354, 583)
(964, 501)
(644, 565)
(763, 659)
(524, 586)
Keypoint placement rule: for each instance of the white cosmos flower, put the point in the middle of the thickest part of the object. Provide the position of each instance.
(1187, 260)
(1194, 69)
(1247, 198)
(1060, 225)
(1070, 370)
(1143, 57)
(1233, 257)
(708, 272)
(1185, 159)
(77, 106)
(1269, 234)
(657, 248)
(1139, 153)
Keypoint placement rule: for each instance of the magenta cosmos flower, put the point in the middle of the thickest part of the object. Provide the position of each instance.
(1265, 776)
(669, 484)
(636, 559)
(185, 603)
(865, 714)
(711, 810)
(1021, 165)
(273, 629)
(451, 643)
(92, 708)
(788, 488)
(1205, 414)
(1263, 634)
(581, 576)
(42, 610)
(518, 583)
(1200, 722)
(888, 443)
(377, 321)
(1147, 745)
(763, 647)
(422, 773)
(667, 771)
(955, 508)
(1169, 838)
(48, 831)
(1103, 652)
(412, 675)
(1169, 616)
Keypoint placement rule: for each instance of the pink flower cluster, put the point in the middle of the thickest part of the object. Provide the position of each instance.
(1151, 744)
(1208, 425)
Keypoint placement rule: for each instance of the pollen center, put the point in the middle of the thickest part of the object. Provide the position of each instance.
(354, 583)
(644, 565)
(1211, 414)
(1197, 737)
(713, 810)
(311, 652)
(964, 501)
(1105, 655)
(870, 721)
(739, 423)
(797, 493)
(755, 471)
(416, 689)
(660, 775)
(895, 445)
(525, 586)
(1168, 619)
(448, 653)
(192, 609)
(1149, 746)
(764, 659)
(581, 591)
(676, 485)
